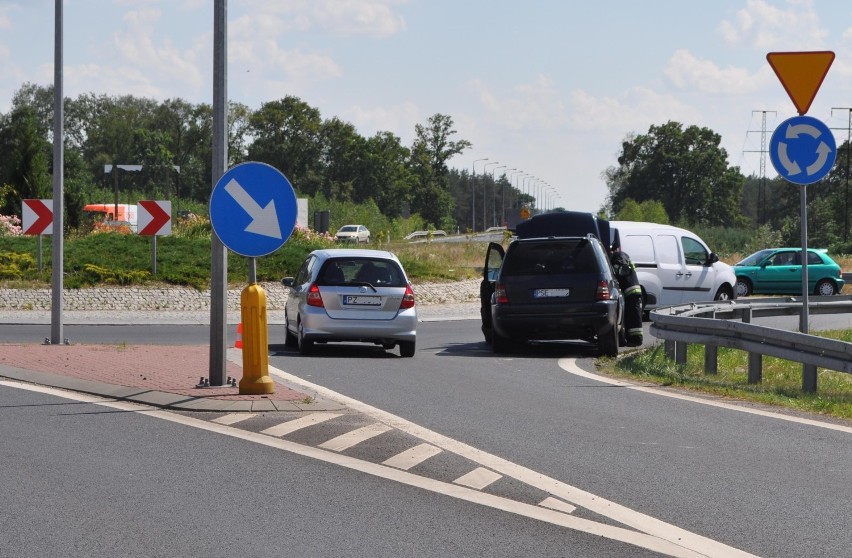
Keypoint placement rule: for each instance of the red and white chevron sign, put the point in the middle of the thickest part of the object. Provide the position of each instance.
(37, 217)
(155, 218)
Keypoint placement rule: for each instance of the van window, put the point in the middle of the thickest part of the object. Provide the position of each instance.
(640, 248)
(694, 252)
(667, 249)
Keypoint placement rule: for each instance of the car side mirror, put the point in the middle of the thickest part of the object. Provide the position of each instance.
(287, 281)
(712, 258)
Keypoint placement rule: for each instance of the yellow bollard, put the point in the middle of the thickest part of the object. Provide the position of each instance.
(256, 378)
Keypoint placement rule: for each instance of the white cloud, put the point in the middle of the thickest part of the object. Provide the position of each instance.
(397, 119)
(685, 70)
(635, 110)
(153, 61)
(536, 104)
(374, 18)
(767, 27)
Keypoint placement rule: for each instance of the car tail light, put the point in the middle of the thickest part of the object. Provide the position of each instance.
(407, 298)
(603, 291)
(314, 296)
(500, 294)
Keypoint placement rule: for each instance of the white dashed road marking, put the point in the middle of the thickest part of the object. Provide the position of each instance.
(557, 505)
(297, 424)
(346, 441)
(479, 478)
(411, 457)
(234, 418)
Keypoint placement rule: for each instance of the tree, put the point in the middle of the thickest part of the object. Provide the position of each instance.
(25, 158)
(650, 211)
(429, 155)
(287, 136)
(685, 169)
(387, 174)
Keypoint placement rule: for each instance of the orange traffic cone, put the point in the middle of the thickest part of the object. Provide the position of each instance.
(238, 344)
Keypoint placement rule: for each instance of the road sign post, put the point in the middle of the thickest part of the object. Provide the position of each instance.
(803, 150)
(154, 219)
(37, 219)
(253, 211)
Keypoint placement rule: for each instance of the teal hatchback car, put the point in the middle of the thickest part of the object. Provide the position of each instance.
(779, 271)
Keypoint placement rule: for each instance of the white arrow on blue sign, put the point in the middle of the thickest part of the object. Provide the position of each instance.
(253, 209)
(802, 150)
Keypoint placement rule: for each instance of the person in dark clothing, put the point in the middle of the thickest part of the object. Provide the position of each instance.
(625, 273)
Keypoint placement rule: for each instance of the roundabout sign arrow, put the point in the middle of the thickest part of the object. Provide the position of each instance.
(803, 150)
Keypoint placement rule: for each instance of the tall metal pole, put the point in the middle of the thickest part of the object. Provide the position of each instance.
(493, 196)
(846, 187)
(219, 255)
(803, 325)
(485, 192)
(56, 301)
(473, 197)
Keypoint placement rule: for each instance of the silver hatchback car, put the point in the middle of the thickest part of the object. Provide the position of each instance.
(350, 295)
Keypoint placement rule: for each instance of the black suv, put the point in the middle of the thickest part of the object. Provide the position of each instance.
(551, 288)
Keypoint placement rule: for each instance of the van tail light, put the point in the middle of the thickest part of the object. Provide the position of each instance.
(407, 298)
(314, 296)
(603, 292)
(500, 294)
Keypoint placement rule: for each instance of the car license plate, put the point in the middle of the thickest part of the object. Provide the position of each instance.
(360, 300)
(550, 293)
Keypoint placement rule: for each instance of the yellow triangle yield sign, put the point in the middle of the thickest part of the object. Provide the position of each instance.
(801, 74)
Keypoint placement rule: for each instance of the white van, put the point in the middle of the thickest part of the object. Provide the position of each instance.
(674, 265)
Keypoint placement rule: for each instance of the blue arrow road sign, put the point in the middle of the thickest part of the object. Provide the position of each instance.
(803, 150)
(253, 209)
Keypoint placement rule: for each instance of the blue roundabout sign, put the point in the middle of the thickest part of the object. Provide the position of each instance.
(253, 209)
(803, 150)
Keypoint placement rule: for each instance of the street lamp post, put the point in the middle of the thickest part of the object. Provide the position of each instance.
(493, 197)
(485, 191)
(473, 197)
(503, 197)
(518, 184)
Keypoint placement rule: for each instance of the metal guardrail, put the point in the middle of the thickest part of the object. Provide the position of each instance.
(681, 325)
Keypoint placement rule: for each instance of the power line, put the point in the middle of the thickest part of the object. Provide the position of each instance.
(761, 192)
(846, 192)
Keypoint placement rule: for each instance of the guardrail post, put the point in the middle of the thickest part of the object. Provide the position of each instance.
(747, 315)
(809, 378)
(680, 352)
(669, 349)
(755, 368)
(711, 359)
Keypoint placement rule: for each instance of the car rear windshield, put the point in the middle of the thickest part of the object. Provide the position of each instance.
(551, 258)
(354, 271)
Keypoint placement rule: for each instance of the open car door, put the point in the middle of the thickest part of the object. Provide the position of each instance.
(493, 261)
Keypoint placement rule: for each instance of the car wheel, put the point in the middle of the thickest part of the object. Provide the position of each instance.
(724, 293)
(406, 349)
(305, 345)
(608, 342)
(500, 344)
(744, 287)
(290, 340)
(825, 288)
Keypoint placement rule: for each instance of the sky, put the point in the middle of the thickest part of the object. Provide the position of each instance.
(545, 90)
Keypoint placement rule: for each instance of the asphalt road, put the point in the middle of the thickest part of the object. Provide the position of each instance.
(758, 483)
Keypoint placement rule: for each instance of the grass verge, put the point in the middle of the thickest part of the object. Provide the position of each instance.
(781, 386)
